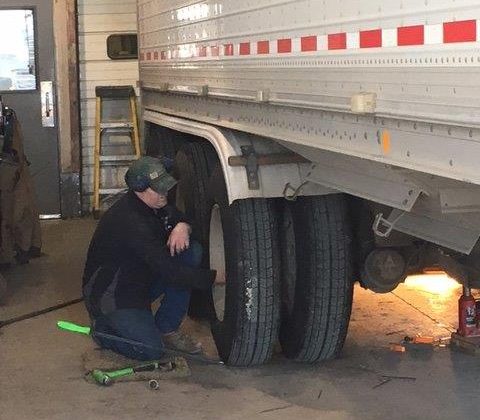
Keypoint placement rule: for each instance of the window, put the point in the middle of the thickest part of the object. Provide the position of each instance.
(17, 50)
(122, 47)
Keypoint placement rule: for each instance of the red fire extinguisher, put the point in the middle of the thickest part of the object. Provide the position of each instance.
(467, 315)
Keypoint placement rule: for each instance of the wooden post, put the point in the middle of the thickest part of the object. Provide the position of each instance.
(68, 100)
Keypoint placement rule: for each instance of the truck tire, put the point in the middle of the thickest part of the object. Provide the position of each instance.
(243, 249)
(163, 142)
(193, 166)
(160, 142)
(317, 282)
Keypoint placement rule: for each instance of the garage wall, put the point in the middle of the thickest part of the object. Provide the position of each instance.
(97, 19)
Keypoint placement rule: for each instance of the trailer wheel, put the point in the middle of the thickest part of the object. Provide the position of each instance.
(317, 282)
(193, 165)
(161, 142)
(243, 248)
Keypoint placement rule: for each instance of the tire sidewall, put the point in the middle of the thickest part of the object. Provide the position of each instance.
(224, 331)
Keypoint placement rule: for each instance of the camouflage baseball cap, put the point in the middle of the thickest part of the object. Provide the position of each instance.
(149, 172)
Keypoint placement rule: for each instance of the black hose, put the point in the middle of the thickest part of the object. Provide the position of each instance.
(38, 313)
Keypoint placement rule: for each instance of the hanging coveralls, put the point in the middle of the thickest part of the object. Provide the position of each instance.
(20, 234)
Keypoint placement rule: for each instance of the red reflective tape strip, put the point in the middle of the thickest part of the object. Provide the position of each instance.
(337, 41)
(245, 48)
(411, 35)
(309, 43)
(284, 46)
(228, 49)
(464, 31)
(371, 39)
(263, 47)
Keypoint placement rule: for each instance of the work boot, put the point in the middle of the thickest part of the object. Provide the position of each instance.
(181, 342)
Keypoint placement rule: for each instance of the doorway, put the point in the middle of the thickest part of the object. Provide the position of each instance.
(27, 85)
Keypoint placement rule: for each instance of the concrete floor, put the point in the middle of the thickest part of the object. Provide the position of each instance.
(41, 368)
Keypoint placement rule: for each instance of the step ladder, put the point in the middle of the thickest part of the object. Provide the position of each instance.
(127, 126)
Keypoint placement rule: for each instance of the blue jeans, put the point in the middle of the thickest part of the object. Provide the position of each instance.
(141, 325)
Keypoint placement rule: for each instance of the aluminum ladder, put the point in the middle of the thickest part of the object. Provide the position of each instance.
(128, 126)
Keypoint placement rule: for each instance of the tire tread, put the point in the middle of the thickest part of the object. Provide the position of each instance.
(257, 330)
(325, 230)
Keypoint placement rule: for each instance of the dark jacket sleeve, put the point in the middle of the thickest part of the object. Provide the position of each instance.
(149, 248)
(176, 216)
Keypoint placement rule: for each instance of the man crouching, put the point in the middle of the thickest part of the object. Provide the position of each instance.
(141, 250)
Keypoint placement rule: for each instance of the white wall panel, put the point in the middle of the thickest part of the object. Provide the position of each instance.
(108, 22)
(97, 20)
(98, 7)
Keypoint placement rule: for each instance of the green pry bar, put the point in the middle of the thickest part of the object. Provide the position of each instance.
(70, 326)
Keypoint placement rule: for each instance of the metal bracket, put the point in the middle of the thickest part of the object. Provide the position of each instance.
(383, 227)
(198, 90)
(252, 161)
(370, 180)
(465, 199)
(263, 95)
(295, 191)
(251, 165)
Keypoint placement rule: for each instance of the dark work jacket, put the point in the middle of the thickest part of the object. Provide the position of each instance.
(128, 251)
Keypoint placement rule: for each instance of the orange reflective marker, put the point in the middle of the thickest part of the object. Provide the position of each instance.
(386, 142)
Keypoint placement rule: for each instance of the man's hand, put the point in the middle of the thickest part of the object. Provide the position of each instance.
(179, 239)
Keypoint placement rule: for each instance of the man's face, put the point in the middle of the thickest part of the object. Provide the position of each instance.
(153, 199)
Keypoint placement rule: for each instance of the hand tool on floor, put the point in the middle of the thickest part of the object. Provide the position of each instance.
(79, 329)
(153, 384)
(107, 378)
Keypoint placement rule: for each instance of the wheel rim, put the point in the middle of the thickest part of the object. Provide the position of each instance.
(289, 269)
(217, 261)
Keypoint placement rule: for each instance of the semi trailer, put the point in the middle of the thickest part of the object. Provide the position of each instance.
(318, 143)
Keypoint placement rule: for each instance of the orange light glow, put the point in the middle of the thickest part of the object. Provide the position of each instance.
(438, 284)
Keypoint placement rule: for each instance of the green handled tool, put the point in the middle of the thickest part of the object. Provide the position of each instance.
(70, 326)
(107, 378)
(80, 329)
